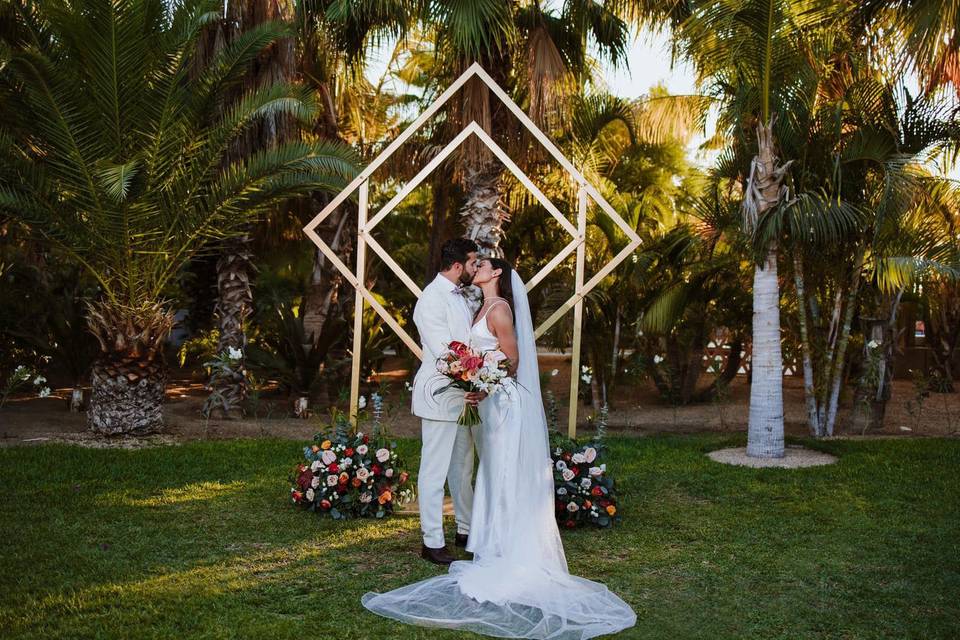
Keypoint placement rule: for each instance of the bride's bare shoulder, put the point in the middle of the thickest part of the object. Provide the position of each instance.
(500, 316)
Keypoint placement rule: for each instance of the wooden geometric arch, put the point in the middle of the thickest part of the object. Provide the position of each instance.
(586, 192)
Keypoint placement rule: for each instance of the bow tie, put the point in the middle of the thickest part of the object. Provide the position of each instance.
(462, 290)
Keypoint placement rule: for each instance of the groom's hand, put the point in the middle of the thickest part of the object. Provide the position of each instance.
(474, 397)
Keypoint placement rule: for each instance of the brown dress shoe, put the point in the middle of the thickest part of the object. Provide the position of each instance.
(437, 556)
(461, 540)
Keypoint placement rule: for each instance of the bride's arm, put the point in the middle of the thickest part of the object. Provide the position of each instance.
(500, 320)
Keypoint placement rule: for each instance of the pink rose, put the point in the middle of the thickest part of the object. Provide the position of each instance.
(362, 449)
(383, 455)
(590, 454)
(568, 475)
(363, 474)
(328, 457)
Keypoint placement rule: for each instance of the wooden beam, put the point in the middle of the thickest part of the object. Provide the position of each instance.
(358, 306)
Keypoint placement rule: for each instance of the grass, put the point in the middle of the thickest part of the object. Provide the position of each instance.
(199, 541)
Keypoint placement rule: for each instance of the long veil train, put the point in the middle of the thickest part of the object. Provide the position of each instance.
(519, 587)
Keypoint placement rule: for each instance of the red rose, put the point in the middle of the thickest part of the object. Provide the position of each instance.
(366, 439)
(587, 504)
(304, 479)
(458, 347)
(575, 469)
(348, 452)
(559, 506)
(567, 456)
(570, 524)
(333, 468)
(597, 491)
(296, 495)
(604, 503)
(376, 469)
(325, 504)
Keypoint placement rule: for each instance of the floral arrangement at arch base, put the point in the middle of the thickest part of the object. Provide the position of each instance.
(584, 492)
(351, 475)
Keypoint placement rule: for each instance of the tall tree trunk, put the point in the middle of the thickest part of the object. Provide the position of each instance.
(763, 193)
(837, 376)
(765, 431)
(809, 389)
(484, 213)
(128, 378)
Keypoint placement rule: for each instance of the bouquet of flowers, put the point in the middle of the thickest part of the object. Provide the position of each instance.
(348, 475)
(472, 371)
(584, 492)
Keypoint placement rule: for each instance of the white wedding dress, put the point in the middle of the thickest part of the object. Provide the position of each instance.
(517, 585)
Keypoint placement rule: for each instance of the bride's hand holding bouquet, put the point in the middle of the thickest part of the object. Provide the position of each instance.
(473, 372)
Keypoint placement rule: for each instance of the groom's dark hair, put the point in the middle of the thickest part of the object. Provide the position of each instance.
(456, 250)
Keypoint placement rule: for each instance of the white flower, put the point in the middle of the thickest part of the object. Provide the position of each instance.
(587, 379)
(568, 475)
(334, 495)
(557, 451)
(362, 402)
(596, 471)
(234, 353)
(383, 455)
(362, 449)
(366, 497)
(585, 483)
(332, 480)
(388, 473)
(718, 358)
(603, 467)
(359, 435)
(328, 457)
(657, 359)
(585, 369)
(578, 458)
(555, 372)
(873, 344)
(43, 393)
(408, 386)
(316, 465)
(572, 506)
(590, 454)
(39, 380)
(315, 482)
(561, 491)
(310, 495)
(363, 473)
(346, 462)
(561, 465)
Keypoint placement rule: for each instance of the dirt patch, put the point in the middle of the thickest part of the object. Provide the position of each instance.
(795, 457)
(635, 410)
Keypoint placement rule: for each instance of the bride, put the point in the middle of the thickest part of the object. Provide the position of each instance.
(517, 585)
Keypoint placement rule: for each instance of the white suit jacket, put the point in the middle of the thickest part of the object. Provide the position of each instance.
(441, 316)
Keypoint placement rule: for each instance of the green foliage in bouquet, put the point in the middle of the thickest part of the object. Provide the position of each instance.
(347, 474)
(584, 492)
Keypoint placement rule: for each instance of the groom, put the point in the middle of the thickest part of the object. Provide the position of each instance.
(442, 315)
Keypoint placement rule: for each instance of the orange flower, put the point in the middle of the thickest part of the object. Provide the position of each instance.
(326, 444)
(356, 482)
(587, 504)
(611, 510)
(344, 477)
(386, 496)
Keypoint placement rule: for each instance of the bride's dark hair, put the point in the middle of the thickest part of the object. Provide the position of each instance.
(505, 282)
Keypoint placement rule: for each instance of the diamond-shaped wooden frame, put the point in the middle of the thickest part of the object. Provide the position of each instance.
(586, 193)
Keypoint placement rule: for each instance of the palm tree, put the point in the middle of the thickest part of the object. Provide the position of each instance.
(535, 53)
(753, 55)
(115, 154)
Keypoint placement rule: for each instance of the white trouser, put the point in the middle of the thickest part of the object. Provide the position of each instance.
(446, 454)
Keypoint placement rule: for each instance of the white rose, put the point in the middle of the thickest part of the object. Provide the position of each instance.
(366, 497)
(561, 465)
(388, 473)
(561, 491)
(315, 465)
(362, 449)
(568, 475)
(315, 482)
(590, 454)
(585, 483)
(328, 457)
(332, 480)
(383, 455)
(363, 473)
(572, 506)
(578, 458)
(596, 471)
(310, 495)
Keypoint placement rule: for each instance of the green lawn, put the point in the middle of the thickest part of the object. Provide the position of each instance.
(199, 540)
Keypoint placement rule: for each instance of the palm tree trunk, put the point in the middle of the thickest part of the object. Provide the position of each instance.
(809, 391)
(128, 378)
(765, 431)
(484, 213)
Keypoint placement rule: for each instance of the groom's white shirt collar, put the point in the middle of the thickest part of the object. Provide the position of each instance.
(446, 283)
